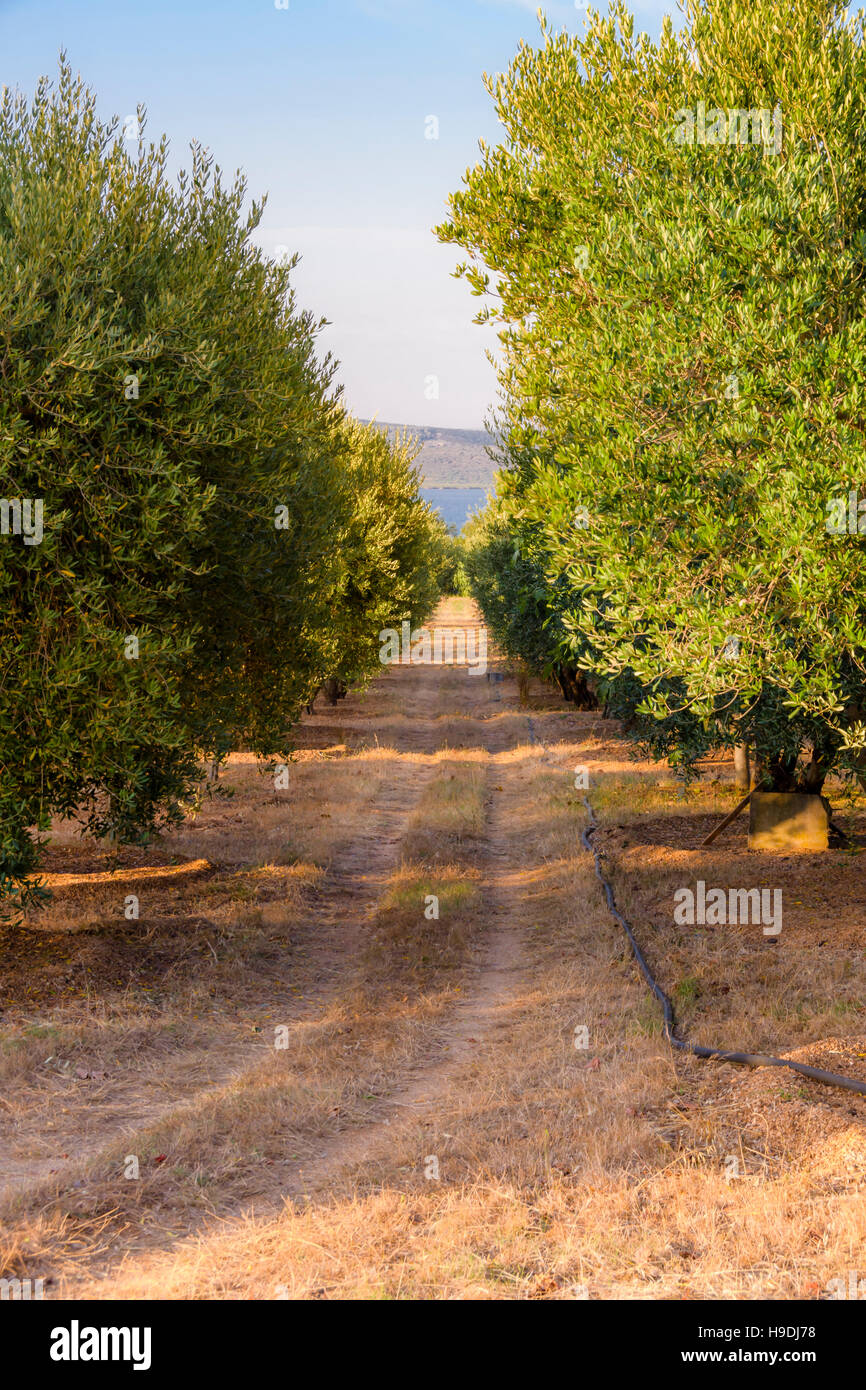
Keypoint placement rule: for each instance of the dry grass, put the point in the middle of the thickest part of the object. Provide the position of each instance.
(451, 812)
(562, 1173)
(615, 1170)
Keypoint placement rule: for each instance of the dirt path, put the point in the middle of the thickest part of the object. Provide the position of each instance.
(466, 1102)
(482, 1010)
(327, 939)
(325, 944)
(419, 714)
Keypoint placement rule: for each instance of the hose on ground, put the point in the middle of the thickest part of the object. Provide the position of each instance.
(748, 1059)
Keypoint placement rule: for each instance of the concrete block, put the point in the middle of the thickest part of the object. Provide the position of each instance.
(787, 821)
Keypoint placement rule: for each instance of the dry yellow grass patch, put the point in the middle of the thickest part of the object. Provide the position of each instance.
(476, 1105)
(307, 1078)
(451, 810)
(612, 1171)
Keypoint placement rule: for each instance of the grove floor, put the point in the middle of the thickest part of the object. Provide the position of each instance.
(287, 1078)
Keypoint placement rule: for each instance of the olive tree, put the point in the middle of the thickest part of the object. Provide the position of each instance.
(671, 236)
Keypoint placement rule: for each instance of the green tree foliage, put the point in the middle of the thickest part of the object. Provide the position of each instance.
(683, 340)
(449, 551)
(503, 568)
(390, 552)
(216, 536)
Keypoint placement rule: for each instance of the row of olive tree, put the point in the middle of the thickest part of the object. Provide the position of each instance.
(193, 535)
(672, 237)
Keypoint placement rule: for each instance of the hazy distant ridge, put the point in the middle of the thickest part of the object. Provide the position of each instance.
(450, 458)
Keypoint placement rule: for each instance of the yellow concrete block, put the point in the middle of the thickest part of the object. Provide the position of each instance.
(787, 821)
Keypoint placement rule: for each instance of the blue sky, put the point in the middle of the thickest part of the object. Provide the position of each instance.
(323, 105)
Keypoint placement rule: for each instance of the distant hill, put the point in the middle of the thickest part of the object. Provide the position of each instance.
(450, 458)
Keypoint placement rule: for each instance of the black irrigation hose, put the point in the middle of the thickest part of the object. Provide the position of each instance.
(748, 1059)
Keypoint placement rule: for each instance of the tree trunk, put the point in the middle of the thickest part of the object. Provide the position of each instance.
(574, 686)
(742, 768)
(816, 772)
(786, 773)
(333, 690)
